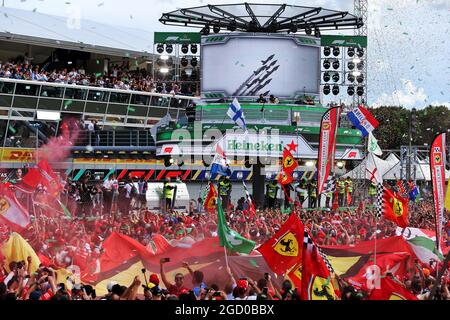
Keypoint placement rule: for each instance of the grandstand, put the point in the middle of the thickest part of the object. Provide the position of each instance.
(114, 86)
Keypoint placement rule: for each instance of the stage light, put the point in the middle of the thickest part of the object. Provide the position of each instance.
(205, 31)
(351, 52)
(216, 28)
(232, 26)
(194, 48)
(326, 77)
(160, 48)
(360, 78)
(336, 77)
(310, 164)
(184, 62)
(168, 162)
(164, 70)
(327, 64)
(252, 26)
(335, 90)
(169, 48)
(326, 90)
(326, 51)
(188, 71)
(356, 73)
(360, 91)
(351, 91)
(360, 52)
(293, 28)
(336, 51)
(351, 77)
(194, 62)
(356, 60)
(159, 62)
(169, 62)
(336, 64)
(317, 32)
(164, 57)
(340, 164)
(184, 48)
(308, 30)
(360, 65)
(351, 65)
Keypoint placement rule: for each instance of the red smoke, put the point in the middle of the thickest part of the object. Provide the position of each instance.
(57, 149)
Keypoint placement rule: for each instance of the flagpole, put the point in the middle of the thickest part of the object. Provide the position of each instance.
(226, 256)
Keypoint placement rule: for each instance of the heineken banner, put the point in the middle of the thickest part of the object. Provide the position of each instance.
(327, 146)
(255, 145)
(343, 41)
(437, 167)
(177, 37)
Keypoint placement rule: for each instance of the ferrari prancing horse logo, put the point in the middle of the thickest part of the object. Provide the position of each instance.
(321, 289)
(287, 245)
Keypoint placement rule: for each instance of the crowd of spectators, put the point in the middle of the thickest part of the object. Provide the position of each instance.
(63, 238)
(118, 77)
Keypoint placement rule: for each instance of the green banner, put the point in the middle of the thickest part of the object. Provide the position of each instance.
(177, 37)
(343, 41)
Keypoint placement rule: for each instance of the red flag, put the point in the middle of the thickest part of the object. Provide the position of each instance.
(391, 290)
(327, 146)
(401, 187)
(11, 211)
(284, 249)
(437, 167)
(317, 283)
(289, 165)
(210, 201)
(395, 208)
(44, 175)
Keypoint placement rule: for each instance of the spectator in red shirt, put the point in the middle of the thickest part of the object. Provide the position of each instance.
(176, 288)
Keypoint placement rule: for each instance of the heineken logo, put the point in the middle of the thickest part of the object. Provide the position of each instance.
(250, 146)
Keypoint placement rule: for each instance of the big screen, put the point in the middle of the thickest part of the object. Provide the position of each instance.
(243, 65)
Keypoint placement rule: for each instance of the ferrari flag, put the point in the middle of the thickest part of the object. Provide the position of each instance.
(11, 212)
(284, 249)
(289, 165)
(327, 146)
(210, 201)
(437, 168)
(395, 208)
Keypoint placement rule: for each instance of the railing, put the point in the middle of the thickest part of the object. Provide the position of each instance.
(108, 106)
(119, 138)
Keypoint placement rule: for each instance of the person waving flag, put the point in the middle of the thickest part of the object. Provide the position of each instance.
(236, 114)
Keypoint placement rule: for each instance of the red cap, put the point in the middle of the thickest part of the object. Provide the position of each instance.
(242, 284)
(154, 279)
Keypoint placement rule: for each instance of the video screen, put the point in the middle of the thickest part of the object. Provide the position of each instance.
(242, 65)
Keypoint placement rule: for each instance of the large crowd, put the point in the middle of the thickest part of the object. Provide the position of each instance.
(61, 238)
(118, 77)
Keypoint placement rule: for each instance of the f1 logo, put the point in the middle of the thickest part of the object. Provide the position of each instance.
(168, 150)
(352, 154)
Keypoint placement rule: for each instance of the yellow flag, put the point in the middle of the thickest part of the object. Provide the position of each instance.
(447, 197)
(18, 249)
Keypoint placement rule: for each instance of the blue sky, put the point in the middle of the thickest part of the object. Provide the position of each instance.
(409, 46)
